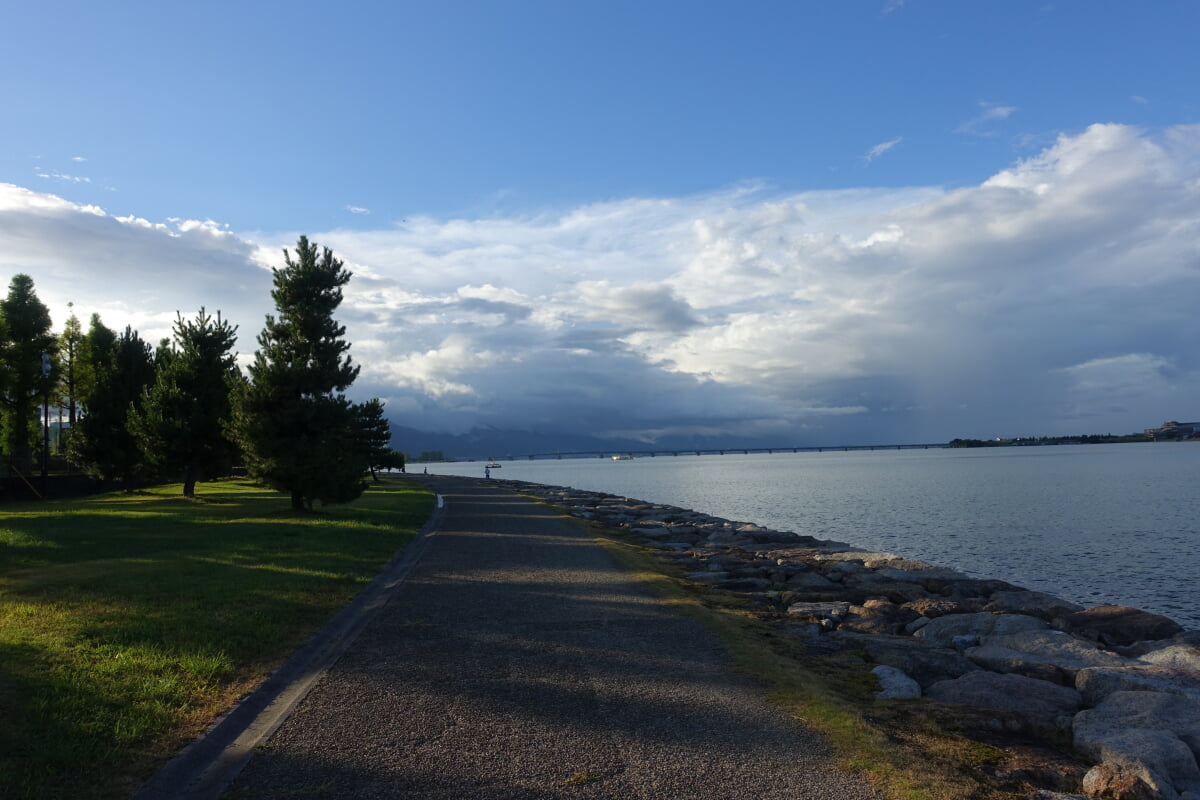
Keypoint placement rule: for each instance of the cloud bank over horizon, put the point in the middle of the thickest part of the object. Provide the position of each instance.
(1054, 297)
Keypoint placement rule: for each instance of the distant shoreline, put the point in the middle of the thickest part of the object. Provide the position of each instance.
(1045, 441)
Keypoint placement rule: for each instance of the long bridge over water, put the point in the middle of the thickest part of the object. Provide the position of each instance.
(704, 451)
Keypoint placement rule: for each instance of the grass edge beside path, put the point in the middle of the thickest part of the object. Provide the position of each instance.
(128, 623)
(900, 748)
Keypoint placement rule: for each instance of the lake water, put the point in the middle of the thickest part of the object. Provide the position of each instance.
(1090, 523)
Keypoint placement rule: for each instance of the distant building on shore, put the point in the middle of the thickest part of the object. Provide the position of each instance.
(1174, 430)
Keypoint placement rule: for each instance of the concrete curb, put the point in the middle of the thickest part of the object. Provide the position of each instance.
(206, 766)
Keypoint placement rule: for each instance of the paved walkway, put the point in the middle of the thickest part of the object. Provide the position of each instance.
(517, 661)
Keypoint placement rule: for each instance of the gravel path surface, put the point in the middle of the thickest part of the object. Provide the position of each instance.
(518, 661)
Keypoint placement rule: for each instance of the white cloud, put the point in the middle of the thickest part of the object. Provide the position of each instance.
(1137, 98)
(1133, 373)
(881, 148)
(493, 294)
(978, 125)
(639, 306)
(60, 176)
(358, 210)
(128, 269)
(433, 372)
(78, 159)
(1117, 384)
(1054, 296)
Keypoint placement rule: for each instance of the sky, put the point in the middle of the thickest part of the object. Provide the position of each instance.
(805, 223)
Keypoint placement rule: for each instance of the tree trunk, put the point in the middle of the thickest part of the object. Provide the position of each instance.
(189, 482)
(298, 501)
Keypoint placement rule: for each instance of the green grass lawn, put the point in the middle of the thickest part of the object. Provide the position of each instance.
(128, 622)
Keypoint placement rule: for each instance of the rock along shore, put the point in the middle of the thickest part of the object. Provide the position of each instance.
(1122, 683)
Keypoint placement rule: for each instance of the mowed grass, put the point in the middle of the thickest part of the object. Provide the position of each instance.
(128, 622)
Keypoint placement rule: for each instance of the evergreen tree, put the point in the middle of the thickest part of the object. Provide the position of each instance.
(181, 426)
(376, 435)
(101, 442)
(96, 352)
(27, 338)
(298, 431)
(70, 356)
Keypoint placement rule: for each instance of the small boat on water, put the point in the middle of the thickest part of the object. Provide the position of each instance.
(492, 465)
(622, 458)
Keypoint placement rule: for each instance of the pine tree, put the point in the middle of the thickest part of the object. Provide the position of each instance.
(27, 337)
(181, 426)
(298, 431)
(96, 352)
(376, 435)
(70, 356)
(101, 443)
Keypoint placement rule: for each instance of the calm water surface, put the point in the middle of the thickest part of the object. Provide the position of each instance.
(1090, 523)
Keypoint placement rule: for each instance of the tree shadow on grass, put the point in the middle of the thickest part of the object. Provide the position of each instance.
(52, 740)
(149, 647)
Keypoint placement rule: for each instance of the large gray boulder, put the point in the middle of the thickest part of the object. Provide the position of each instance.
(1040, 702)
(1029, 652)
(878, 616)
(975, 588)
(895, 685)
(943, 630)
(924, 663)
(1097, 683)
(829, 610)
(1109, 781)
(1119, 625)
(934, 607)
(840, 570)
(808, 580)
(876, 585)
(1178, 656)
(727, 539)
(844, 553)
(1154, 734)
(1158, 758)
(776, 537)
(1034, 604)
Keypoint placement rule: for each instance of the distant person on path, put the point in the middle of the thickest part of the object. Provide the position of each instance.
(487, 473)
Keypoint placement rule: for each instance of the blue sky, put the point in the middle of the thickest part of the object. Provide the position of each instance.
(826, 222)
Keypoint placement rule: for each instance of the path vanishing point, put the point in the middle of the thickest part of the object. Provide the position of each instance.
(516, 660)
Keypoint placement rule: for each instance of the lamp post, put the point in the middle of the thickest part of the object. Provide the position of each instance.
(45, 419)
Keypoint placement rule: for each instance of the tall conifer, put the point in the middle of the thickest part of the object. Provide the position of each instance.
(298, 432)
(27, 337)
(182, 425)
(96, 351)
(376, 435)
(101, 442)
(70, 345)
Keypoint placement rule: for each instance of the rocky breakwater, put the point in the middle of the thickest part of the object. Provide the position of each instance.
(1121, 683)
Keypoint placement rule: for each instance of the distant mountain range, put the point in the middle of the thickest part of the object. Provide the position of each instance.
(496, 443)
